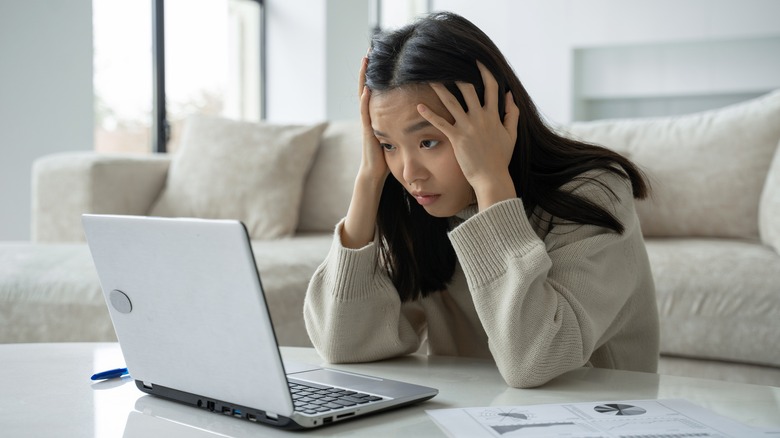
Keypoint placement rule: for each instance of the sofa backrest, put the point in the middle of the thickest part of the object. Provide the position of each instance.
(707, 170)
(328, 187)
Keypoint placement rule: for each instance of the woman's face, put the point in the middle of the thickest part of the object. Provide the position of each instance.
(419, 156)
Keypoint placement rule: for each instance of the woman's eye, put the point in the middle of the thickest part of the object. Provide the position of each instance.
(387, 146)
(428, 144)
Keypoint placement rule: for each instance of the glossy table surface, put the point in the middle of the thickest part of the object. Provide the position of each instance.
(45, 391)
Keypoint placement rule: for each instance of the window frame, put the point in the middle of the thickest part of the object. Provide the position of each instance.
(161, 128)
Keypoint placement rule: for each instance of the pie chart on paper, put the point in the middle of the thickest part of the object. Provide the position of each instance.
(619, 409)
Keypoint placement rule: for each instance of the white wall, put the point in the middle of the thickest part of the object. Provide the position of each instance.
(45, 95)
(314, 52)
(541, 38)
(295, 60)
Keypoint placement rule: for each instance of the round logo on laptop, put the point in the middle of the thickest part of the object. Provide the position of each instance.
(120, 301)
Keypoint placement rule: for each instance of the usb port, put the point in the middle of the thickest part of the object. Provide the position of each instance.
(327, 420)
(226, 410)
(251, 417)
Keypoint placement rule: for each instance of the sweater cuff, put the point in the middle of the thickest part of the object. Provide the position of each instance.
(488, 240)
(354, 271)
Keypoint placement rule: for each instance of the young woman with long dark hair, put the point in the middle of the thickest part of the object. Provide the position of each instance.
(477, 228)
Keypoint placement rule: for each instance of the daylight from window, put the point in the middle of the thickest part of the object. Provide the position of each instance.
(122, 40)
(212, 54)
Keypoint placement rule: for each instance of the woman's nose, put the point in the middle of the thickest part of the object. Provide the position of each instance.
(413, 170)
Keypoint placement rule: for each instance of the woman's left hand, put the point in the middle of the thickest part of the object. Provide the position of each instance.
(483, 145)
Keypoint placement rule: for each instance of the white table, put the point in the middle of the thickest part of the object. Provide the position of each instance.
(45, 391)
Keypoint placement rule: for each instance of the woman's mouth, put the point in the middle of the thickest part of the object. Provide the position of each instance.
(425, 198)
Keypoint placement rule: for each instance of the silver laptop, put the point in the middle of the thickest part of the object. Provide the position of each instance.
(190, 315)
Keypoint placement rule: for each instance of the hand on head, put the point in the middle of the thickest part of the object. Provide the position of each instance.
(373, 165)
(482, 143)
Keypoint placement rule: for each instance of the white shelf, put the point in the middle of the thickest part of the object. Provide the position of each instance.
(665, 79)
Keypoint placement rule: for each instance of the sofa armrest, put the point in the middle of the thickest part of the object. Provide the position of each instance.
(66, 185)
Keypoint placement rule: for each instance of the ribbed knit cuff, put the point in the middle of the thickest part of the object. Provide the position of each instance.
(352, 270)
(485, 242)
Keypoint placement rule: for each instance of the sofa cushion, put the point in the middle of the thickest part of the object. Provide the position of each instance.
(717, 299)
(769, 210)
(227, 169)
(707, 169)
(328, 188)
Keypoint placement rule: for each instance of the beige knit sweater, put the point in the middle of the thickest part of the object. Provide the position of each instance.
(539, 303)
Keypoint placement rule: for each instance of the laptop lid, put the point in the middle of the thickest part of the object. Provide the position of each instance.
(187, 306)
(189, 311)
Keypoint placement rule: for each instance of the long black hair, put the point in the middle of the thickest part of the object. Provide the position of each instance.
(444, 47)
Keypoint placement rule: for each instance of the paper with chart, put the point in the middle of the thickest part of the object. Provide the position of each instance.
(639, 418)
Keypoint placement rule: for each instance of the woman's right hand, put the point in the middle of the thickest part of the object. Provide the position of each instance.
(373, 166)
(359, 225)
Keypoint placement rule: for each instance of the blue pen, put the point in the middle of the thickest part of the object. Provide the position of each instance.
(110, 374)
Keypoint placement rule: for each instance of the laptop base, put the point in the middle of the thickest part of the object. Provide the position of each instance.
(250, 414)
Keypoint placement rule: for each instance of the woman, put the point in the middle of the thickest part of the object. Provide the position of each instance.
(477, 228)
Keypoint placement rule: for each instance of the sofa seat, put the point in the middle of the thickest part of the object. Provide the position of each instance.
(62, 300)
(708, 312)
(713, 324)
(285, 266)
(49, 292)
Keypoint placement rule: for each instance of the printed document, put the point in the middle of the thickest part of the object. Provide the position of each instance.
(668, 418)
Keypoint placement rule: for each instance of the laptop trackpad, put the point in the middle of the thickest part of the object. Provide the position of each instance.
(356, 382)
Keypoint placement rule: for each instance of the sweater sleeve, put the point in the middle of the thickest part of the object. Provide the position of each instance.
(546, 304)
(353, 312)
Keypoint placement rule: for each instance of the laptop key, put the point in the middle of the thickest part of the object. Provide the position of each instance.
(344, 402)
(354, 400)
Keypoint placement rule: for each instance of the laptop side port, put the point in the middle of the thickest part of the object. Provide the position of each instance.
(226, 410)
(251, 418)
(327, 420)
(210, 405)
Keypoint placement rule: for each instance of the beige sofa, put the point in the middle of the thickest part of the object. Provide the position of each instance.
(712, 226)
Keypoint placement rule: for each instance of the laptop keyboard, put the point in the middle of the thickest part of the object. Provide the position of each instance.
(316, 399)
